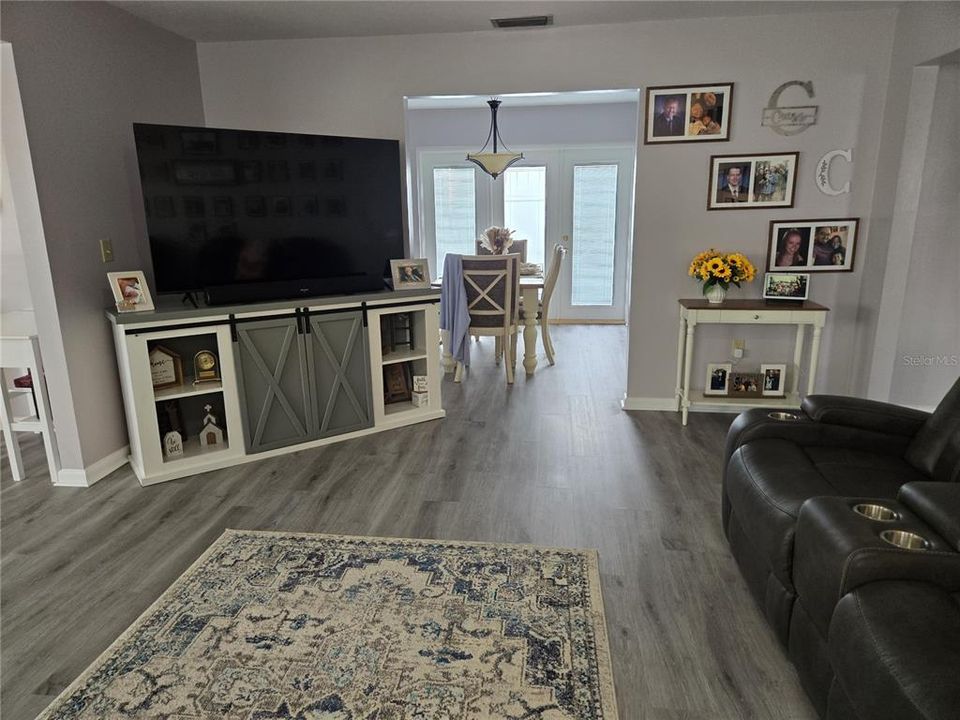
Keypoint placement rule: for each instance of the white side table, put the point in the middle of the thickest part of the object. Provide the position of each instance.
(747, 312)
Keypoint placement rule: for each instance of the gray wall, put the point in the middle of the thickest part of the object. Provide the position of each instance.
(924, 31)
(927, 359)
(356, 86)
(87, 71)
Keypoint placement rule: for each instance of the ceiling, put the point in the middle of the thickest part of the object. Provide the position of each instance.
(227, 20)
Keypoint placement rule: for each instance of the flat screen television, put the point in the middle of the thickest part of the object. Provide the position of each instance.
(265, 215)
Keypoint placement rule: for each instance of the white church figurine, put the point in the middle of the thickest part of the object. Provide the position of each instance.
(210, 433)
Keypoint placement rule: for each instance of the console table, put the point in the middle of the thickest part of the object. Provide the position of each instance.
(747, 312)
(285, 376)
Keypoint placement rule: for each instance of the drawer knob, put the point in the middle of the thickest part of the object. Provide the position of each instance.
(756, 317)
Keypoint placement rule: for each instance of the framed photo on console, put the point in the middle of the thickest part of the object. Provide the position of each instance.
(774, 380)
(410, 274)
(815, 246)
(748, 182)
(130, 291)
(786, 286)
(718, 379)
(688, 113)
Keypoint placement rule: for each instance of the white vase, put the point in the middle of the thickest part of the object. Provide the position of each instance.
(715, 294)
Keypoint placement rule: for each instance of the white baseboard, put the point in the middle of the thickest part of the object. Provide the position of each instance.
(667, 404)
(95, 471)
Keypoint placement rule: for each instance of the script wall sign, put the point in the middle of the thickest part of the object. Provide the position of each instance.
(790, 119)
(823, 172)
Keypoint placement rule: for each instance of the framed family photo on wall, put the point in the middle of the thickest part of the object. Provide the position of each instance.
(688, 113)
(813, 246)
(743, 182)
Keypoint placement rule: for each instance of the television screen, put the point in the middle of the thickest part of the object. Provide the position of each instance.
(225, 207)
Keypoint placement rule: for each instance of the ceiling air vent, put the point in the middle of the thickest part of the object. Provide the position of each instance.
(522, 22)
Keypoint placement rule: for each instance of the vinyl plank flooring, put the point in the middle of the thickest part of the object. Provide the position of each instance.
(550, 461)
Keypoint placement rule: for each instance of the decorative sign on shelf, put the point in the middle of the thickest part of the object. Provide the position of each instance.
(789, 119)
(420, 383)
(823, 172)
(166, 368)
(173, 444)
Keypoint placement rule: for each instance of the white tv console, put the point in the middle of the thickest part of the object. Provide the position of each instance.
(290, 375)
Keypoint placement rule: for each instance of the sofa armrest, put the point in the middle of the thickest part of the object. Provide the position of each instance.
(938, 503)
(756, 424)
(864, 414)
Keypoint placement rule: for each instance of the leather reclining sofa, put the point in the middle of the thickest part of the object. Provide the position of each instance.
(844, 519)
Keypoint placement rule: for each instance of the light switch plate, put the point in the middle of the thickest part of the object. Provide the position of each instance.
(106, 250)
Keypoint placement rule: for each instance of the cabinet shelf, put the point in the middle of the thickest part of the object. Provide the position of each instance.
(186, 389)
(403, 356)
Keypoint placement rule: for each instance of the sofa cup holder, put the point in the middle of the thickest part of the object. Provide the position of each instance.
(905, 540)
(783, 416)
(881, 513)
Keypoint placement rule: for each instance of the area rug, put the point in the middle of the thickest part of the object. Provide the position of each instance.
(320, 627)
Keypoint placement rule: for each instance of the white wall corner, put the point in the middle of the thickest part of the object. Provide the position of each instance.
(664, 404)
(86, 477)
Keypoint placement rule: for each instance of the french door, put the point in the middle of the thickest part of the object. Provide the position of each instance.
(582, 198)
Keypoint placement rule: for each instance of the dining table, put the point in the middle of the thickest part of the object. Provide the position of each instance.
(530, 287)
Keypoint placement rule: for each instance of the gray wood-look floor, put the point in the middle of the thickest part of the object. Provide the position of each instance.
(551, 461)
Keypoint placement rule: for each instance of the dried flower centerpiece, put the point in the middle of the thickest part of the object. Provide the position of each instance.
(497, 240)
(717, 271)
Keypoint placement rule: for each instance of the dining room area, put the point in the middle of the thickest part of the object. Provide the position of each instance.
(527, 231)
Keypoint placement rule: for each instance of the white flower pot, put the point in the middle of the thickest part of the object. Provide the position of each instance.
(715, 294)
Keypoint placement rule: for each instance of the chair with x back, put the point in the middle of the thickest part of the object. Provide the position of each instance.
(492, 284)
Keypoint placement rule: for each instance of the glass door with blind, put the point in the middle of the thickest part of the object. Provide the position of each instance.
(582, 198)
(596, 223)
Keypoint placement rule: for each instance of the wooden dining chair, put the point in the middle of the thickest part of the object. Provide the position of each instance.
(543, 307)
(492, 284)
(519, 247)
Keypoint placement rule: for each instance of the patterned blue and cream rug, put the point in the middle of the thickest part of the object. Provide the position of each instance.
(271, 625)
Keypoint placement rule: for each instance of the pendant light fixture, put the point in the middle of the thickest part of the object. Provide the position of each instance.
(494, 163)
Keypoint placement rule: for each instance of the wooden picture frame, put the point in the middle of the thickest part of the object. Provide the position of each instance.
(130, 291)
(774, 379)
(718, 379)
(707, 110)
(410, 274)
(746, 385)
(826, 245)
(763, 180)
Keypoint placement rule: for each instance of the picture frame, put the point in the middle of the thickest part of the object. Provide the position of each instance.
(718, 379)
(822, 245)
(130, 291)
(774, 377)
(410, 274)
(702, 113)
(396, 383)
(763, 180)
(786, 286)
(746, 385)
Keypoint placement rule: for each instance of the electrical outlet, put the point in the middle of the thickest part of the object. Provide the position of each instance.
(106, 250)
(738, 348)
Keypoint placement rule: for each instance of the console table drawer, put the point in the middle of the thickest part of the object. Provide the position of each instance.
(756, 316)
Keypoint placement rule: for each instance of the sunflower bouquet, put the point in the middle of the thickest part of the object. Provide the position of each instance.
(714, 268)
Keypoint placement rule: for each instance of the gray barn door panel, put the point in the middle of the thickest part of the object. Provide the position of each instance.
(274, 384)
(339, 370)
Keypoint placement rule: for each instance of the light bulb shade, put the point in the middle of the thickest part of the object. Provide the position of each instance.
(494, 163)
